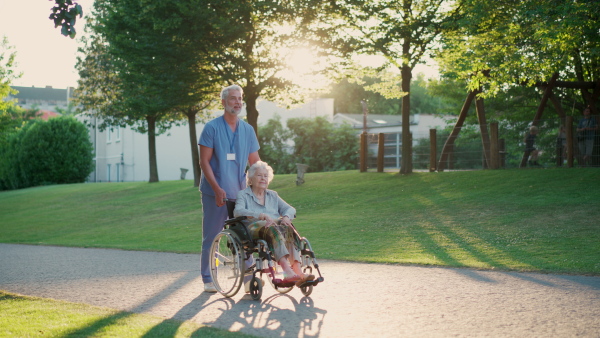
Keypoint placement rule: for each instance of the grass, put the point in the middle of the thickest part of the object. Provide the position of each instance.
(522, 220)
(24, 316)
(544, 220)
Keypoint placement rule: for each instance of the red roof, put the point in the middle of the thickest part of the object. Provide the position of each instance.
(46, 114)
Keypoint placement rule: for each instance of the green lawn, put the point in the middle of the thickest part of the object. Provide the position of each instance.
(545, 220)
(37, 317)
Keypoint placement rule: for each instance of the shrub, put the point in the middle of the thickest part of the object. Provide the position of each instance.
(54, 152)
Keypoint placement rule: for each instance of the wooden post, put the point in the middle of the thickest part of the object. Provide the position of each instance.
(494, 152)
(380, 152)
(363, 152)
(448, 146)
(432, 150)
(485, 137)
(570, 147)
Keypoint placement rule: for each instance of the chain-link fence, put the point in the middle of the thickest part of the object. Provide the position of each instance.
(549, 147)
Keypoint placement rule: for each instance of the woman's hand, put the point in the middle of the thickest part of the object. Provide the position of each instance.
(286, 221)
(264, 217)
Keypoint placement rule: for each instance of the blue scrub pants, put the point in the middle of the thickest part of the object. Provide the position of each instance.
(212, 223)
(213, 220)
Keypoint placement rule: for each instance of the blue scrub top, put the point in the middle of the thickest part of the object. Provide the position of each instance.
(231, 175)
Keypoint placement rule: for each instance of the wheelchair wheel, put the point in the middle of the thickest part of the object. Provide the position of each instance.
(256, 288)
(227, 263)
(306, 290)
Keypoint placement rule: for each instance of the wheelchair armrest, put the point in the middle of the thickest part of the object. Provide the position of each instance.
(235, 220)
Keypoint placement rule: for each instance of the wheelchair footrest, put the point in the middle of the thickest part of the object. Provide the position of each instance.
(282, 284)
(313, 282)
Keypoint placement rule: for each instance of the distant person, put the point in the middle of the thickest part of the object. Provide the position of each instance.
(227, 144)
(530, 146)
(586, 131)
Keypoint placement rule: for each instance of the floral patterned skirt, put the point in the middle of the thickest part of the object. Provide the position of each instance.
(282, 240)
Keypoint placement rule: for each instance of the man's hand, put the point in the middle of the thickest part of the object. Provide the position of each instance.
(220, 196)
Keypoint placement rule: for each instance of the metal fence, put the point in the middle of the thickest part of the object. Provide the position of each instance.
(467, 151)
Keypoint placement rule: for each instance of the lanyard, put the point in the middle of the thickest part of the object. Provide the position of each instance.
(228, 132)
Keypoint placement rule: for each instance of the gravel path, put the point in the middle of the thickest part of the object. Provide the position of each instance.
(356, 300)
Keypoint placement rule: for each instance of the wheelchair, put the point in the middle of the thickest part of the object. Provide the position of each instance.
(234, 246)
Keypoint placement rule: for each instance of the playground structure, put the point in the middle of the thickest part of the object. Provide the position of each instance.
(493, 148)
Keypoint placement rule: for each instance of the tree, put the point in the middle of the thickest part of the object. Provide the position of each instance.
(7, 73)
(524, 43)
(255, 57)
(403, 31)
(148, 70)
(350, 91)
(323, 147)
(274, 148)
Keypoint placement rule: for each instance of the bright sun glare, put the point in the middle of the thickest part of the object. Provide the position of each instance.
(302, 65)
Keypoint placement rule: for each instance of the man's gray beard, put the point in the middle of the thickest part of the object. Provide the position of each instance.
(233, 112)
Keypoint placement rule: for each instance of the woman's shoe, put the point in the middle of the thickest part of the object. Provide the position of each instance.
(292, 279)
(306, 278)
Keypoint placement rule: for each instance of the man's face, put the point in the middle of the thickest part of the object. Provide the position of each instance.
(233, 102)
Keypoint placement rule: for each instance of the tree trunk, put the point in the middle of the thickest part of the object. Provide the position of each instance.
(406, 166)
(152, 148)
(251, 111)
(191, 115)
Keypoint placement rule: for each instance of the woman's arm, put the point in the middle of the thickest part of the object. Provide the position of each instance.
(285, 209)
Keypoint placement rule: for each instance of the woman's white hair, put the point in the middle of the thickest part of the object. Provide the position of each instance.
(225, 91)
(256, 166)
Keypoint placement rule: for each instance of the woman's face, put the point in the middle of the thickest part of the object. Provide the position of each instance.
(260, 179)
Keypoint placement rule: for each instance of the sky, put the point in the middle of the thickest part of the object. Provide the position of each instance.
(44, 56)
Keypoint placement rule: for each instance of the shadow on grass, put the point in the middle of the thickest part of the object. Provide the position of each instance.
(260, 318)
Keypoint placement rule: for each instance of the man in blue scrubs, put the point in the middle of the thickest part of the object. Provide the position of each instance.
(227, 145)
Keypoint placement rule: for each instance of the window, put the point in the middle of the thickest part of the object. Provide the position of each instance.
(108, 135)
(118, 169)
(108, 172)
(117, 133)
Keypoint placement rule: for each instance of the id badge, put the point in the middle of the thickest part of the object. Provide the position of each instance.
(230, 156)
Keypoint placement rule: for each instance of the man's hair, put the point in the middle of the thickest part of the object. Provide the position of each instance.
(225, 91)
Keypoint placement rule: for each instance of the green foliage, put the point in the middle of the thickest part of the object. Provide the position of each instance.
(322, 146)
(523, 42)
(64, 14)
(7, 74)
(314, 142)
(348, 93)
(54, 152)
(274, 149)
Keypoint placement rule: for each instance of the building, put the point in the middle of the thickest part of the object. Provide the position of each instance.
(46, 99)
(122, 153)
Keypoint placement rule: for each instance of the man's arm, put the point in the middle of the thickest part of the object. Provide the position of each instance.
(253, 158)
(206, 154)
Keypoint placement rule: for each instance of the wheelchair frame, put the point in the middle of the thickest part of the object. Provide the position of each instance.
(234, 246)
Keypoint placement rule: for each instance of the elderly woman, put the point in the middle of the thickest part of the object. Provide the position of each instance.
(270, 218)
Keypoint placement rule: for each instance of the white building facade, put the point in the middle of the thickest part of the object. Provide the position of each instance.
(121, 154)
